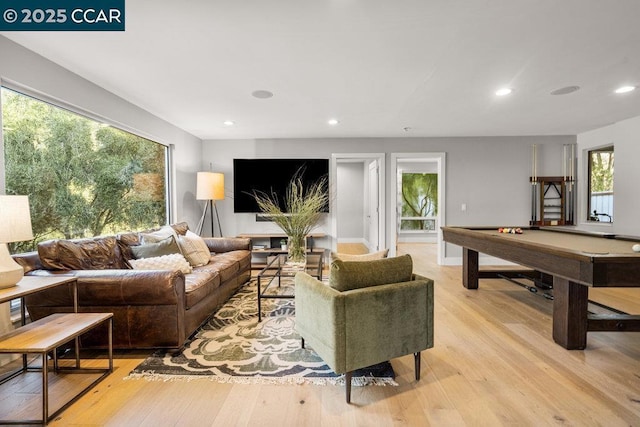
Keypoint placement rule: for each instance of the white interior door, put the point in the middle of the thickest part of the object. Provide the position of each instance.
(373, 215)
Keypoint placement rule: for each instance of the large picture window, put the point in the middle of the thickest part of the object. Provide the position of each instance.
(600, 198)
(83, 178)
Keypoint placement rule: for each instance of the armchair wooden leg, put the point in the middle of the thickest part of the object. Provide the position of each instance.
(347, 384)
(416, 356)
(302, 342)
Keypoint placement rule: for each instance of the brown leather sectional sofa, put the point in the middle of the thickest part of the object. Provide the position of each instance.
(152, 308)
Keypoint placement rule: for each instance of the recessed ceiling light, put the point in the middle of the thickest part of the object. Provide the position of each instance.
(333, 122)
(262, 94)
(625, 89)
(504, 91)
(565, 90)
(228, 123)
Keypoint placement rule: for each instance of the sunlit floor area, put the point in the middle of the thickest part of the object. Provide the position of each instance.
(352, 248)
(494, 363)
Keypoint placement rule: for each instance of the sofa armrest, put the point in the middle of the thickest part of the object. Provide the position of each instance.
(28, 260)
(227, 244)
(117, 287)
(320, 317)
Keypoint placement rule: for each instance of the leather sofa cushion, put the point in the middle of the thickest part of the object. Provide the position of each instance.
(198, 285)
(100, 253)
(226, 264)
(125, 241)
(180, 228)
(347, 275)
(205, 279)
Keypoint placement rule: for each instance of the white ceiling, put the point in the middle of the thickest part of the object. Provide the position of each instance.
(378, 66)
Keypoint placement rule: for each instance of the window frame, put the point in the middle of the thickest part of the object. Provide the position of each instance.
(433, 219)
(594, 219)
(56, 102)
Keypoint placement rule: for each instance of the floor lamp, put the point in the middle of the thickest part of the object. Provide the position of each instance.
(210, 187)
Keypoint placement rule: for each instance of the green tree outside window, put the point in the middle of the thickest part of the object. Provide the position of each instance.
(601, 171)
(83, 178)
(419, 199)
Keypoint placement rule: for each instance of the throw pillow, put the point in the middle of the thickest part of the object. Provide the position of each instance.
(165, 262)
(150, 250)
(347, 275)
(360, 257)
(156, 236)
(194, 249)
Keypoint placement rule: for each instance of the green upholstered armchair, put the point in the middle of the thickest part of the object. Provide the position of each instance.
(371, 312)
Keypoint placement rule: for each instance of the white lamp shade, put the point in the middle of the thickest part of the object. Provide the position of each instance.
(15, 226)
(210, 186)
(15, 219)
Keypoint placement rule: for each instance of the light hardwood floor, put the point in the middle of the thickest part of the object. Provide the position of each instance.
(494, 363)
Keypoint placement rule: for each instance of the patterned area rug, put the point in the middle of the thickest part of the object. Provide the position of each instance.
(233, 347)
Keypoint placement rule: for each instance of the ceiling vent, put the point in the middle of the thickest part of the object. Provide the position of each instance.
(565, 90)
(262, 94)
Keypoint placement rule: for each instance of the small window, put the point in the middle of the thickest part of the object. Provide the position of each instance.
(600, 198)
(419, 196)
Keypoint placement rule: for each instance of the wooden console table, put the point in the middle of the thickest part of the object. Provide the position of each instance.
(269, 244)
(46, 335)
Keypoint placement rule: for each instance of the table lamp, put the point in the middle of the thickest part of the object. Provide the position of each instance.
(210, 186)
(15, 226)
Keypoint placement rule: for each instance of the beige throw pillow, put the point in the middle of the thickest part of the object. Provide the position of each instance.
(360, 257)
(194, 249)
(165, 262)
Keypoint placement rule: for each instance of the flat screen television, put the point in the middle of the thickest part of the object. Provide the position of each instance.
(271, 175)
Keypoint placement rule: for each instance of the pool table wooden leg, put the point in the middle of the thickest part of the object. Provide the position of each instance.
(470, 268)
(570, 301)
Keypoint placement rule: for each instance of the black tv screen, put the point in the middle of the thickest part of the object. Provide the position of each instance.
(271, 175)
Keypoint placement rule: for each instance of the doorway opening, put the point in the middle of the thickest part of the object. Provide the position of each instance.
(358, 200)
(418, 212)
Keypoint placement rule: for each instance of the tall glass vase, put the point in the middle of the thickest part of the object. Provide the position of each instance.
(297, 247)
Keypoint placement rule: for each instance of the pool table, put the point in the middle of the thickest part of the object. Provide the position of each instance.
(575, 260)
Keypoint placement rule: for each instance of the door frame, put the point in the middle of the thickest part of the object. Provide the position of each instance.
(333, 183)
(440, 160)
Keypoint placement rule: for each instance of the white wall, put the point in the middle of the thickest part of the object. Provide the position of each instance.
(350, 196)
(489, 174)
(28, 69)
(625, 137)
